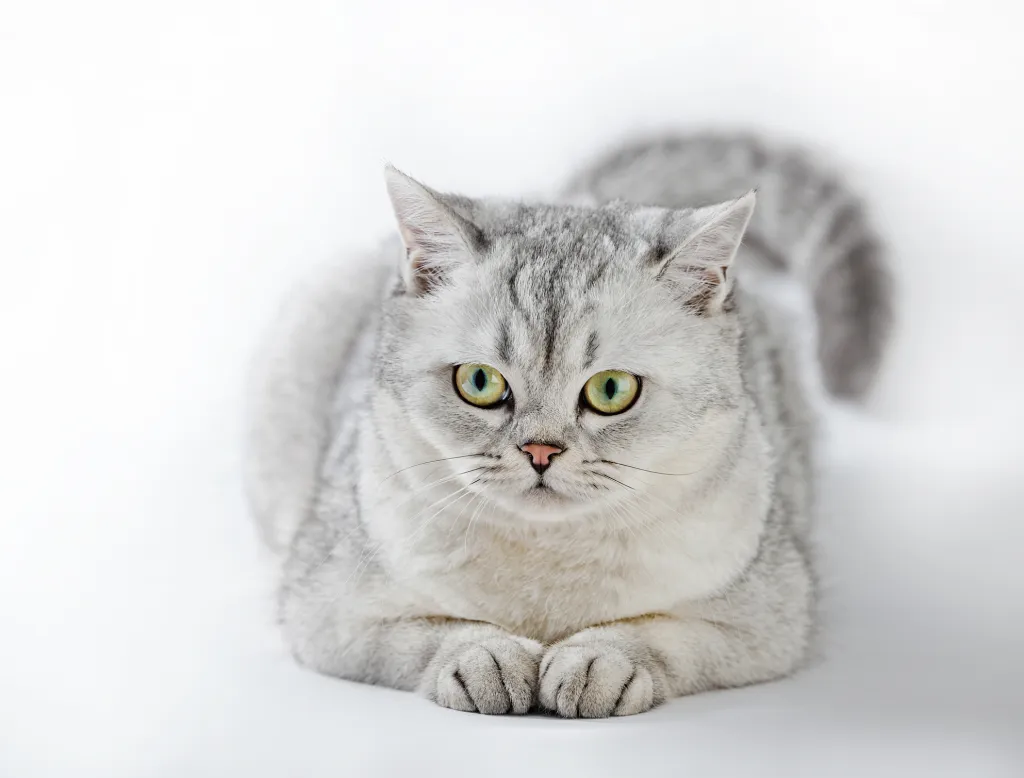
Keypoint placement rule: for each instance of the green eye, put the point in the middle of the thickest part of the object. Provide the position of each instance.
(481, 385)
(611, 391)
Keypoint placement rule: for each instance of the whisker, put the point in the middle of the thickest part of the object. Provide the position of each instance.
(369, 554)
(419, 490)
(620, 512)
(457, 495)
(633, 467)
(616, 480)
(416, 516)
(448, 499)
(654, 498)
(429, 462)
(476, 513)
(637, 494)
(451, 527)
(403, 502)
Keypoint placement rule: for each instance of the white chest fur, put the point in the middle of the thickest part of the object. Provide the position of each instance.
(546, 581)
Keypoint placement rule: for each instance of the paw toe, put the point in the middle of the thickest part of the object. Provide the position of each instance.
(494, 677)
(608, 677)
(637, 695)
(594, 681)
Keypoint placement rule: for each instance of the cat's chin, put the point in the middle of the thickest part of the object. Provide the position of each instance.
(545, 504)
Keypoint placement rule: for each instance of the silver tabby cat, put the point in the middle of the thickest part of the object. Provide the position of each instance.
(558, 456)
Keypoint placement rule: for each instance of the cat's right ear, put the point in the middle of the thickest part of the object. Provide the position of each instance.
(437, 238)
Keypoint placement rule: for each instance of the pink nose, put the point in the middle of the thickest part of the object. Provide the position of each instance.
(540, 454)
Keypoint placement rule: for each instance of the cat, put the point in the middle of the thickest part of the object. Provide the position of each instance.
(559, 456)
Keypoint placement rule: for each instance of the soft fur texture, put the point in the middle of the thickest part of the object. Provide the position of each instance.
(668, 553)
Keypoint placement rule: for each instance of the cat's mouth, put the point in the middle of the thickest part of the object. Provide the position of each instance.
(545, 492)
(546, 497)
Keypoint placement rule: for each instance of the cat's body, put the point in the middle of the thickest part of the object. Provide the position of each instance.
(663, 549)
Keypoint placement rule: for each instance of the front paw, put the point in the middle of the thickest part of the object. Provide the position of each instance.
(598, 679)
(496, 675)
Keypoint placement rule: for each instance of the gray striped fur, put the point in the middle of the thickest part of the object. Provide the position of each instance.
(669, 553)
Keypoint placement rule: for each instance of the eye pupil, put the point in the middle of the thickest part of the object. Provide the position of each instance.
(610, 392)
(480, 385)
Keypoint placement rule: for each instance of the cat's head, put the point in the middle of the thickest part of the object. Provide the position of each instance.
(559, 351)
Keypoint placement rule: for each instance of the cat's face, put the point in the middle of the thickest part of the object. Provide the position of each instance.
(561, 352)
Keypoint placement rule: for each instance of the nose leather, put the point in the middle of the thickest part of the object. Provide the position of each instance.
(540, 455)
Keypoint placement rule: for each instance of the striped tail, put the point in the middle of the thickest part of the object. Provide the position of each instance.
(807, 222)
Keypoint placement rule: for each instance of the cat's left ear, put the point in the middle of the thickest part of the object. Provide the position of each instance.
(701, 245)
(437, 237)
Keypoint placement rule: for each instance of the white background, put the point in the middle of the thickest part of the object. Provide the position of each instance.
(167, 168)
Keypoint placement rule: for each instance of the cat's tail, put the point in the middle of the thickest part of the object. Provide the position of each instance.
(807, 223)
(292, 386)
